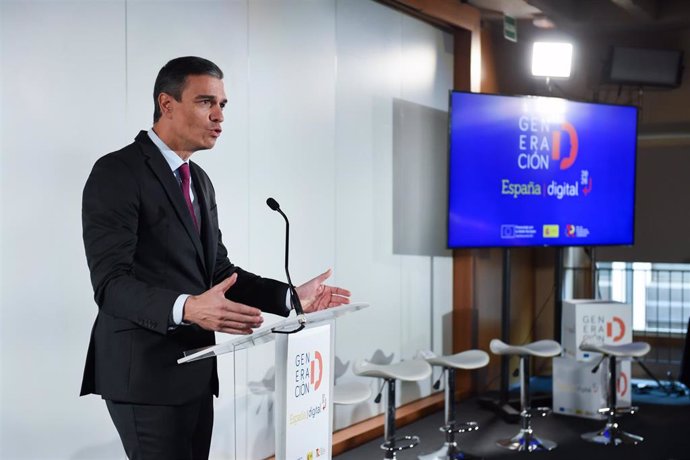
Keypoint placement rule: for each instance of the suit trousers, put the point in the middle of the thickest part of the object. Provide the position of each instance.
(156, 432)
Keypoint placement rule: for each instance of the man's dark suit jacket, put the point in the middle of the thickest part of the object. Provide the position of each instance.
(143, 252)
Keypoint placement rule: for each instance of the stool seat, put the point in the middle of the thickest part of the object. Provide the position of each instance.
(409, 371)
(350, 393)
(628, 350)
(470, 359)
(540, 348)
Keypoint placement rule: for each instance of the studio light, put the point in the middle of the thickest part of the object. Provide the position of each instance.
(551, 59)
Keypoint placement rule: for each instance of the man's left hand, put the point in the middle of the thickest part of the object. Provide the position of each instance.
(314, 295)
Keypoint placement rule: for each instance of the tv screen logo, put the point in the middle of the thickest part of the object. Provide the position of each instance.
(568, 161)
(507, 231)
(576, 231)
(550, 231)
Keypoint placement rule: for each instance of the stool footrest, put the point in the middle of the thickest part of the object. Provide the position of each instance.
(535, 412)
(629, 410)
(455, 428)
(400, 443)
(541, 411)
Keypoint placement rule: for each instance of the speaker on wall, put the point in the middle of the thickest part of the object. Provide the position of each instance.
(645, 67)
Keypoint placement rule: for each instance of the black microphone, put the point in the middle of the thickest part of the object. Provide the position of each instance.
(273, 204)
(294, 298)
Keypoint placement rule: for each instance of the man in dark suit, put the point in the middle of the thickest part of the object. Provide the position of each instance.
(161, 274)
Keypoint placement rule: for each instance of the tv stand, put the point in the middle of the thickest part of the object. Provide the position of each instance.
(500, 403)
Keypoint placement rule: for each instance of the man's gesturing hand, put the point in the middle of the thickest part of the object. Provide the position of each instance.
(314, 295)
(212, 311)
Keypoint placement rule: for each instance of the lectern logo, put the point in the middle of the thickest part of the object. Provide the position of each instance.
(317, 363)
(308, 372)
(615, 329)
(622, 384)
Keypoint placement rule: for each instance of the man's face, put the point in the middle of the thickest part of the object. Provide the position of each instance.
(195, 120)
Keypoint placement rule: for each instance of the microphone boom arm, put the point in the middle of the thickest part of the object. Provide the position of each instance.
(294, 298)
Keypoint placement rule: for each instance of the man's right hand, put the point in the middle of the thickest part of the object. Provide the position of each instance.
(212, 311)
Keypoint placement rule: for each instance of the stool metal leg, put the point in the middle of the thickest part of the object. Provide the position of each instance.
(389, 426)
(392, 444)
(450, 449)
(611, 434)
(525, 440)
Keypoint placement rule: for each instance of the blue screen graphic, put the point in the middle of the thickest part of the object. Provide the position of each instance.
(536, 171)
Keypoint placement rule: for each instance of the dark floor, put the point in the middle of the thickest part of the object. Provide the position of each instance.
(666, 429)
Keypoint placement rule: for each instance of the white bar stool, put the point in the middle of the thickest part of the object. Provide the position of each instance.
(525, 440)
(467, 360)
(612, 434)
(407, 371)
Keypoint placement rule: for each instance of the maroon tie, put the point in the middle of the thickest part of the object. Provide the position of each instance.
(184, 174)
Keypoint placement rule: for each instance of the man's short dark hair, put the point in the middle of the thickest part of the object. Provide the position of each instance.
(172, 77)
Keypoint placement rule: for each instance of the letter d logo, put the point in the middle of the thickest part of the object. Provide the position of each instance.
(314, 381)
(568, 161)
(622, 384)
(621, 327)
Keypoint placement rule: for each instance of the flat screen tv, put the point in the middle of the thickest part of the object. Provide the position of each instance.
(540, 171)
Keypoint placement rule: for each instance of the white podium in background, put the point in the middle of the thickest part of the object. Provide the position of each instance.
(303, 379)
(576, 389)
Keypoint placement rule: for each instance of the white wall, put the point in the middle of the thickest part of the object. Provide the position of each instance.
(309, 122)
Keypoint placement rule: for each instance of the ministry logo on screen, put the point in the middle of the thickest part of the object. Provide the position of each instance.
(550, 231)
(576, 231)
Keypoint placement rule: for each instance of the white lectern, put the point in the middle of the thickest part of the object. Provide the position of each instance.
(303, 379)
